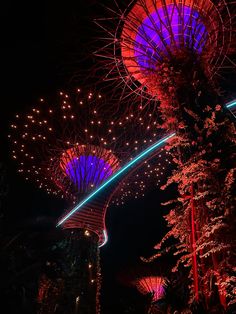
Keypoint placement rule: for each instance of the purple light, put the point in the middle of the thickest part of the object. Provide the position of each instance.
(153, 284)
(87, 171)
(167, 29)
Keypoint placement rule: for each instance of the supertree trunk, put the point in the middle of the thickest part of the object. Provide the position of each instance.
(72, 281)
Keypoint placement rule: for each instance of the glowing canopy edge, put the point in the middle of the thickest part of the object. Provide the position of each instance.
(117, 174)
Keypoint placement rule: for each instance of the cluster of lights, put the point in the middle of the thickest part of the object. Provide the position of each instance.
(69, 149)
(150, 173)
(40, 149)
(157, 145)
(44, 134)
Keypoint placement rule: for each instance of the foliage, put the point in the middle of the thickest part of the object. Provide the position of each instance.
(204, 152)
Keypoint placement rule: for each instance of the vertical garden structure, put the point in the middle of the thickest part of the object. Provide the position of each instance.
(69, 149)
(170, 55)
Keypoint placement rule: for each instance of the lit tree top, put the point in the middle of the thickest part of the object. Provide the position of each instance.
(151, 33)
(150, 280)
(152, 284)
(69, 148)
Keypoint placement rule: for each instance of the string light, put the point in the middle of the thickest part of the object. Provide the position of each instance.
(44, 149)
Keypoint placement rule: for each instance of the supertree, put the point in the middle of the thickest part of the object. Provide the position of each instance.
(151, 36)
(171, 55)
(150, 280)
(154, 286)
(67, 147)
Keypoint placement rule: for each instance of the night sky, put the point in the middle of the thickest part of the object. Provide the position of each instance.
(47, 46)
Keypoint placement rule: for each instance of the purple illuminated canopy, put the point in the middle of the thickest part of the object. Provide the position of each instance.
(165, 30)
(87, 171)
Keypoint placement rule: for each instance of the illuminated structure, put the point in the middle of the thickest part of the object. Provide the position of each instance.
(70, 149)
(231, 106)
(153, 285)
(150, 280)
(103, 186)
(173, 54)
(153, 35)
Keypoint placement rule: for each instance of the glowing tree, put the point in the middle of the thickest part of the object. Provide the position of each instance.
(172, 54)
(69, 148)
(155, 286)
(150, 280)
(152, 37)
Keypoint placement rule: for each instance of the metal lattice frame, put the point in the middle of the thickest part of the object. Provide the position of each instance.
(152, 284)
(118, 51)
(80, 185)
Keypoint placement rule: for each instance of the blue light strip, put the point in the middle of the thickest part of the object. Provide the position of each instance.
(147, 151)
(158, 144)
(231, 104)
